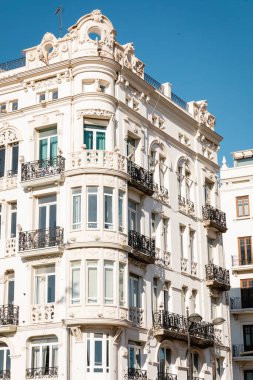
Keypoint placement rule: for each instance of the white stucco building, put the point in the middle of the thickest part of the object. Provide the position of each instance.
(236, 199)
(110, 218)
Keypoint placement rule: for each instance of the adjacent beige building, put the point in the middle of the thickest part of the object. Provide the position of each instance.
(111, 228)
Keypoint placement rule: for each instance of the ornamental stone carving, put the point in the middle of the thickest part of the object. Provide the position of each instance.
(8, 134)
(48, 48)
(201, 114)
(96, 15)
(95, 112)
(47, 83)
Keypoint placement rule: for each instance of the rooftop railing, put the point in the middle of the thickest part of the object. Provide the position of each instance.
(159, 87)
(14, 64)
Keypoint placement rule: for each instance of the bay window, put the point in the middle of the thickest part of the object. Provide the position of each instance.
(76, 208)
(75, 282)
(97, 348)
(44, 284)
(92, 207)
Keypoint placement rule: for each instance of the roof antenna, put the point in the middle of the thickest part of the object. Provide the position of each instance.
(59, 12)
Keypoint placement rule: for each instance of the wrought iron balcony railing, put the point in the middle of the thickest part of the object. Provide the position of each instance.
(217, 277)
(14, 64)
(5, 374)
(240, 261)
(238, 350)
(41, 238)
(42, 168)
(136, 374)
(9, 315)
(215, 218)
(235, 303)
(143, 244)
(39, 373)
(166, 376)
(176, 326)
(140, 178)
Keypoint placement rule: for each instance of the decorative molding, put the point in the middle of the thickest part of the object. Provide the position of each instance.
(8, 134)
(48, 48)
(77, 333)
(95, 112)
(48, 82)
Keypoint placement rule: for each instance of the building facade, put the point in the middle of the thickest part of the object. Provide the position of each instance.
(236, 200)
(111, 230)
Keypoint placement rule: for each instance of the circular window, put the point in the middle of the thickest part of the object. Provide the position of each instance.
(94, 34)
(49, 48)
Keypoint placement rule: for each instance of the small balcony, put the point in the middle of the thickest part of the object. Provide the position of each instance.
(45, 238)
(42, 373)
(245, 302)
(136, 374)
(175, 326)
(5, 374)
(217, 277)
(42, 172)
(239, 350)
(214, 218)
(9, 315)
(140, 178)
(143, 247)
(136, 315)
(241, 261)
(166, 376)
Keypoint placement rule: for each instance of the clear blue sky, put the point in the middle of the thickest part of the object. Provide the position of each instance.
(203, 47)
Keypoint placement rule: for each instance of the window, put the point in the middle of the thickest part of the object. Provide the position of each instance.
(165, 234)
(214, 305)
(153, 223)
(183, 299)
(48, 144)
(184, 179)
(248, 375)
(94, 134)
(97, 352)
(1, 221)
(208, 187)
(192, 243)
(131, 147)
(76, 208)
(44, 284)
(242, 206)
(155, 294)
(108, 204)
(195, 362)
(92, 282)
(164, 361)
(42, 97)
(9, 165)
(47, 213)
(10, 286)
(245, 250)
(13, 219)
(75, 281)
(92, 207)
(3, 108)
(134, 355)
(122, 286)
(132, 215)
(210, 248)
(162, 170)
(14, 159)
(181, 230)
(134, 291)
(14, 105)
(54, 94)
(5, 360)
(2, 161)
(247, 293)
(193, 300)
(120, 210)
(248, 337)
(108, 282)
(44, 354)
(166, 297)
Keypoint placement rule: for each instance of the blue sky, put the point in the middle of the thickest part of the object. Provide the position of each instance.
(203, 47)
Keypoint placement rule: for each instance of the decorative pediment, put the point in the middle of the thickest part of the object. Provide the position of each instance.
(48, 48)
(8, 135)
(201, 114)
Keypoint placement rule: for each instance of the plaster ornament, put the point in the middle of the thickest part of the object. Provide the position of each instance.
(202, 115)
(95, 111)
(48, 48)
(96, 15)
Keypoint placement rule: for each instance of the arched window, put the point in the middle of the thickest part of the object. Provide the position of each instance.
(43, 357)
(5, 361)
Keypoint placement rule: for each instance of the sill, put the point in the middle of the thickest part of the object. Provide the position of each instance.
(246, 217)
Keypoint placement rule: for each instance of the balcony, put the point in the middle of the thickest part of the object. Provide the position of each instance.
(45, 238)
(166, 376)
(140, 178)
(136, 315)
(8, 181)
(241, 261)
(136, 374)
(41, 373)
(42, 172)
(239, 351)
(5, 375)
(9, 315)
(143, 247)
(217, 277)
(175, 326)
(214, 218)
(245, 302)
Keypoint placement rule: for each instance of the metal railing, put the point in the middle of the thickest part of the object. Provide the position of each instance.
(12, 173)
(42, 168)
(166, 376)
(5, 374)
(159, 87)
(190, 205)
(237, 349)
(237, 261)
(9, 315)
(141, 243)
(41, 238)
(14, 64)
(214, 215)
(181, 200)
(178, 323)
(136, 374)
(235, 303)
(37, 373)
(218, 274)
(140, 177)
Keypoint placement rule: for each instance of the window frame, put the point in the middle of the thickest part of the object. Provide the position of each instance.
(91, 339)
(88, 193)
(90, 300)
(242, 198)
(108, 193)
(75, 265)
(41, 343)
(75, 194)
(46, 284)
(245, 250)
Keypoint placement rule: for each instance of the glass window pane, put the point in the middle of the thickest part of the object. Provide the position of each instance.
(54, 356)
(88, 139)
(75, 286)
(42, 217)
(11, 292)
(40, 291)
(51, 288)
(92, 208)
(43, 155)
(108, 208)
(14, 163)
(108, 273)
(8, 360)
(2, 161)
(122, 284)
(100, 140)
(98, 353)
(35, 357)
(92, 283)
(52, 215)
(120, 210)
(76, 207)
(13, 224)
